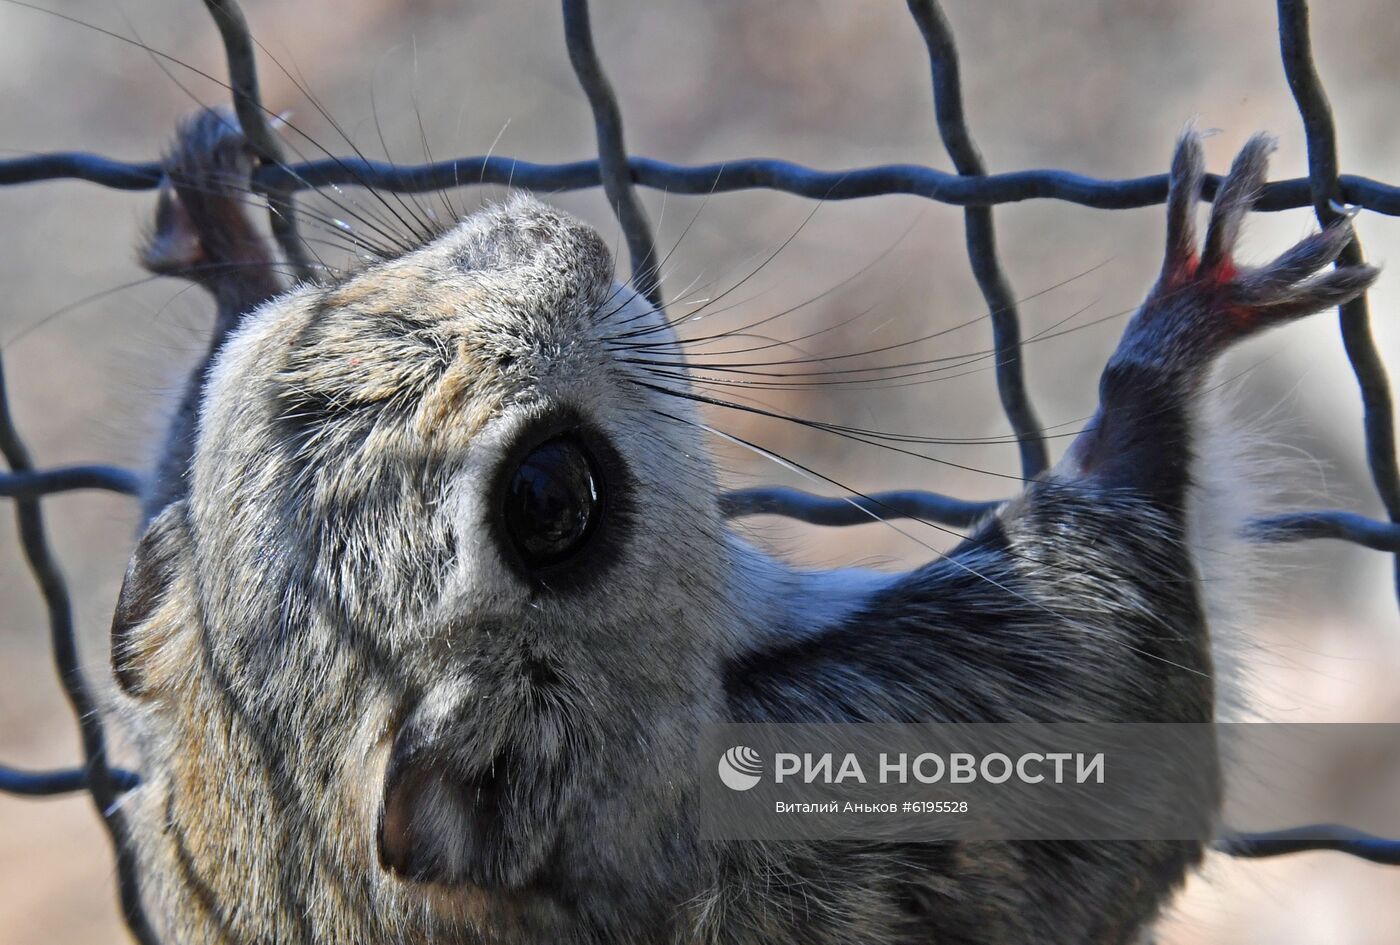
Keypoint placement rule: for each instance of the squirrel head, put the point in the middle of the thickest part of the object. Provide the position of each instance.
(446, 601)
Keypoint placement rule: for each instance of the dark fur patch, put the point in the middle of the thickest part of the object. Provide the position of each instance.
(154, 566)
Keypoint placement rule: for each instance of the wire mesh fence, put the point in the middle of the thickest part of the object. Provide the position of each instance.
(970, 186)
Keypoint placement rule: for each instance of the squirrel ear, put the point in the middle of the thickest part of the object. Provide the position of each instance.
(157, 601)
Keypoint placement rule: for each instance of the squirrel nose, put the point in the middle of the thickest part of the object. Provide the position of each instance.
(491, 826)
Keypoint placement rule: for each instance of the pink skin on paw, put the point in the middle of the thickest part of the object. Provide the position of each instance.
(1224, 272)
(1217, 277)
(1221, 277)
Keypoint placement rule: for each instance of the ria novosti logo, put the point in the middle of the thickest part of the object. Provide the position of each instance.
(740, 768)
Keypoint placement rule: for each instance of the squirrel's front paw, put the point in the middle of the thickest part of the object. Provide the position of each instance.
(1203, 303)
(200, 220)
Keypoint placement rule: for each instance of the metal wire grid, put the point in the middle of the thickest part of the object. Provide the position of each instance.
(971, 187)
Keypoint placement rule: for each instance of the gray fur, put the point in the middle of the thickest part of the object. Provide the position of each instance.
(1234, 199)
(359, 723)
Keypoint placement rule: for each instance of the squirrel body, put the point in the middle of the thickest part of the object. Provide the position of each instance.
(435, 596)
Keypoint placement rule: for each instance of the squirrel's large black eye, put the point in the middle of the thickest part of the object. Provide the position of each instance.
(553, 501)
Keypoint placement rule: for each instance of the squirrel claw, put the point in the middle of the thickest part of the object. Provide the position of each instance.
(1183, 315)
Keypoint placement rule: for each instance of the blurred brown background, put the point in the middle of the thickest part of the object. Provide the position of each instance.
(1097, 86)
